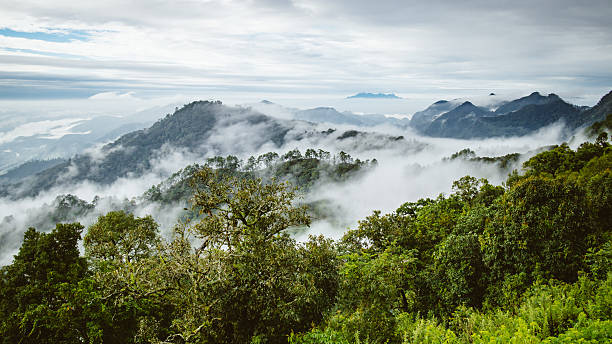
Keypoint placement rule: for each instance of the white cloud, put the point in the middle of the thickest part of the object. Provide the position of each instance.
(113, 96)
(51, 129)
(320, 48)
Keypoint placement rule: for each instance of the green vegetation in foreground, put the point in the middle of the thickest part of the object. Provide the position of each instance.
(527, 262)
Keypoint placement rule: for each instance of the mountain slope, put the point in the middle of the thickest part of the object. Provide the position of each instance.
(132, 153)
(326, 115)
(422, 119)
(197, 130)
(461, 122)
(27, 169)
(533, 99)
(518, 117)
(72, 137)
(531, 117)
(333, 116)
(597, 113)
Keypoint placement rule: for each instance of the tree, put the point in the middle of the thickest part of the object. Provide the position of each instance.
(345, 158)
(242, 209)
(467, 187)
(373, 289)
(268, 159)
(551, 161)
(324, 155)
(234, 275)
(310, 154)
(35, 290)
(460, 271)
(122, 237)
(128, 270)
(294, 154)
(539, 231)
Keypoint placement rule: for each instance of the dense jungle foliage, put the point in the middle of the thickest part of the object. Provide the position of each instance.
(526, 262)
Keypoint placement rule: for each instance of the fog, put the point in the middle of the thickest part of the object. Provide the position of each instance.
(408, 169)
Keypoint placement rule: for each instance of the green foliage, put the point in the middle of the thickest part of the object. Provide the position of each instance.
(36, 304)
(504, 162)
(232, 276)
(598, 260)
(524, 263)
(561, 159)
(460, 270)
(316, 336)
(372, 288)
(466, 188)
(124, 251)
(551, 161)
(302, 170)
(600, 127)
(540, 229)
(595, 332)
(424, 331)
(118, 236)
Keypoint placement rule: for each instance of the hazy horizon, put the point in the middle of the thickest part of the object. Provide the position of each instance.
(301, 53)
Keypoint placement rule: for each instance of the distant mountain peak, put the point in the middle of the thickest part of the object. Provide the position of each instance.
(467, 104)
(266, 102)
(597, 113)
(535, 98)
(324, 108)
(374, 96)
(441, 102)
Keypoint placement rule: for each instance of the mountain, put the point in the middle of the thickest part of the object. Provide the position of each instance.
(469, 121)
(460, 122)
(533, 99)
(529, 119)
(203, 128)
(422, 119)
(518, 117)
(597, 113)
(27, 169)
(75, 135)
(374, 96)
(463, 119)
(327, 115)
(333, 116)
(197, 130)
(132, 153)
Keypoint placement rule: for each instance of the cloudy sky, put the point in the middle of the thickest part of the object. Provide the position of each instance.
(302, 51)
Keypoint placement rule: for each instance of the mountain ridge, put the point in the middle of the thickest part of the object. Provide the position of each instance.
(515, 118)
(369, 95)
(197, 128)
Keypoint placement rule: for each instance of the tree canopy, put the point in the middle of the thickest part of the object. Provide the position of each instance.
(526, 262)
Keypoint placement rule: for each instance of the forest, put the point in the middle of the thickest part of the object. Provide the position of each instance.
(523, 262)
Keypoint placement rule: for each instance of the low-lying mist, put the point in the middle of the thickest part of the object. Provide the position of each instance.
(409, 167)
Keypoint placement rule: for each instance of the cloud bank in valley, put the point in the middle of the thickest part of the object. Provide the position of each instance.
(407, 170)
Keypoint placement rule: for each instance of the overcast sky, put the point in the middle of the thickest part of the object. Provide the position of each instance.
(303, 50)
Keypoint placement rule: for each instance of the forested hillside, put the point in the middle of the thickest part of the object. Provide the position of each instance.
(525, 262)
(198, 129)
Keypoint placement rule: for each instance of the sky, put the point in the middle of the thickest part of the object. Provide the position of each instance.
(300, 52)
